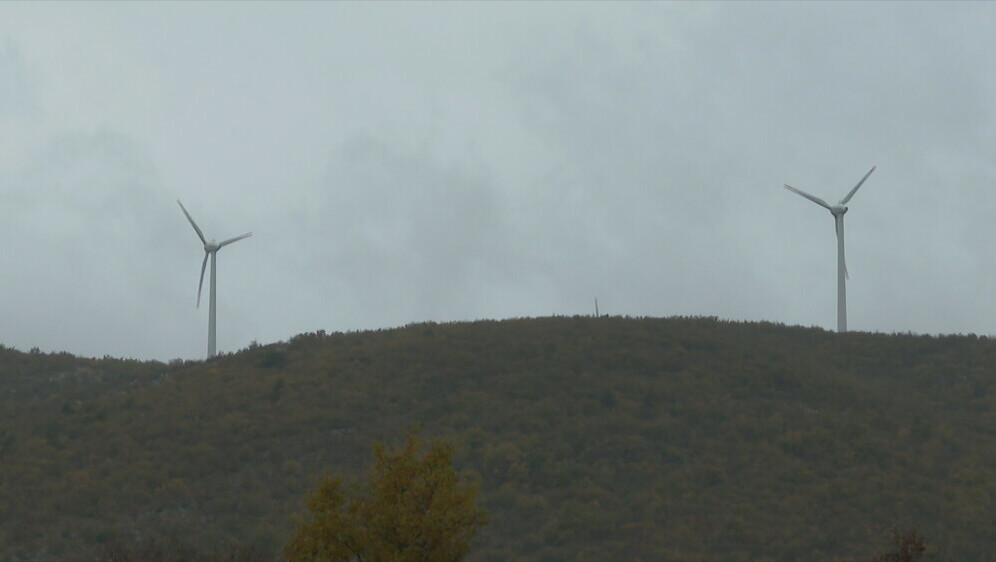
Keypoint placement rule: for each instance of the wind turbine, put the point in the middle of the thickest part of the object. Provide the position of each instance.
(837, 211)
(210, 249)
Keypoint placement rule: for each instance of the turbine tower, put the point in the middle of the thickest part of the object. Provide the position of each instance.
(837, 211)
(210, 249)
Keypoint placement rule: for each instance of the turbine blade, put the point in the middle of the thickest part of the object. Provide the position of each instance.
(853, 191)
(201, 284)
(236, 239)
(816, 200)
(192, 223)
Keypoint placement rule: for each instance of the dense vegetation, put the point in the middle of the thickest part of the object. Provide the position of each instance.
(412, 507)
(592, 438)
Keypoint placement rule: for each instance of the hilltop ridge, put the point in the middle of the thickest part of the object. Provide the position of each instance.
(593, 438)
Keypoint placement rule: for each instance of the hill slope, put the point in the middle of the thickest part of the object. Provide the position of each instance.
(594, 439)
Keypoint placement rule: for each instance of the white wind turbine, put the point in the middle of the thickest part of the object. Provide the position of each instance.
(837, 211)
(210, 248)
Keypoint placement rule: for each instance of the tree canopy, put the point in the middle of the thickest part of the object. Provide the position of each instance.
(412, 508)
(592, 438)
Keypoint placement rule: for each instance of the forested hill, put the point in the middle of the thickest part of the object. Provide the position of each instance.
(594, 439)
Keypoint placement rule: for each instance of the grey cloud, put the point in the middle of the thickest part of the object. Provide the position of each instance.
(513, 162)
(18, 90)
(692, 137)
(409, 236)
(655, 197)
(91, 224)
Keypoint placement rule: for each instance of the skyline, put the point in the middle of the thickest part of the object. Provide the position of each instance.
(433, 162)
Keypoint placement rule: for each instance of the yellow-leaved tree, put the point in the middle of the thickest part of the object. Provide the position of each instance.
(412, 508)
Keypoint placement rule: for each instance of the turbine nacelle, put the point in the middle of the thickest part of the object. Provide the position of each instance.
(838, 210)
(211, 246)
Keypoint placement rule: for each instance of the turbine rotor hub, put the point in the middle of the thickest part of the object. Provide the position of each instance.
(211, 246)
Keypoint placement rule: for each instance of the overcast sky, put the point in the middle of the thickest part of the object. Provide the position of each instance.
(411, 162)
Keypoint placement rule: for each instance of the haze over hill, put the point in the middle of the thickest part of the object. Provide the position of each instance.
(593, 438)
